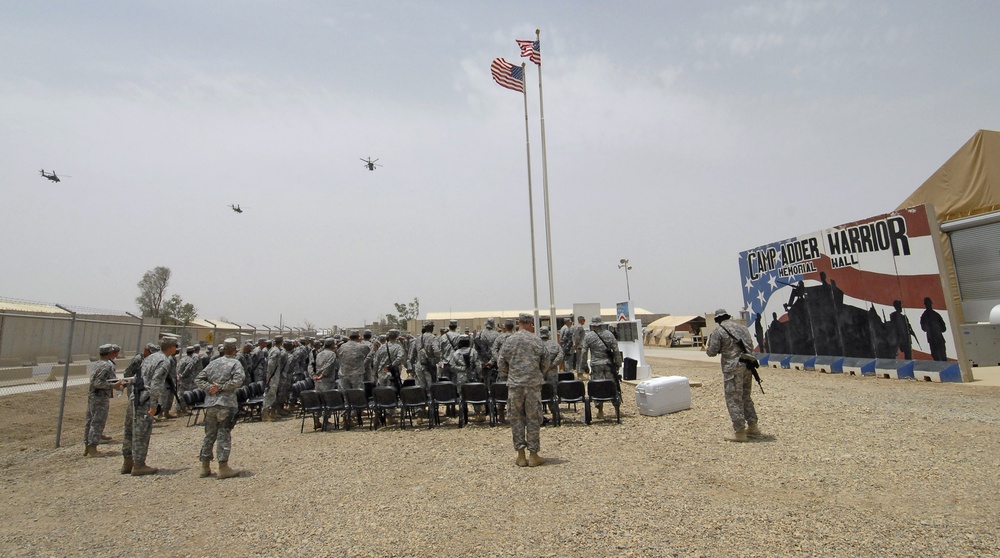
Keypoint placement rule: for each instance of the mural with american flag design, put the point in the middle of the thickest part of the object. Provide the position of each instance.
(871, 288)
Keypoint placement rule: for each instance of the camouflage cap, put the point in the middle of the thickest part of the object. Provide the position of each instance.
(189, 349)
(354, 333)
(392, 333)
(429, 323)
(152, 347)
(230, 343)
(329, 342)
(721, 314)
(596, 320)
(106, 349)
(279, 338)
(453, 323)
(489, 322)
(525, 318)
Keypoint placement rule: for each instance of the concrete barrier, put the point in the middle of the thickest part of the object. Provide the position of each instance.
(936, 371)
(801, 362)
(829, 364)
(894, 368)
(778, 361)
(78, 369)
(15, 376)
(859, 366)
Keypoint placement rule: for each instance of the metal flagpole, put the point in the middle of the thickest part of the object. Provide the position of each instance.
(545, 192)
(531, 206)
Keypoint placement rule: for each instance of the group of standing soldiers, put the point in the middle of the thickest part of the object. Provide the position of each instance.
(156, 376)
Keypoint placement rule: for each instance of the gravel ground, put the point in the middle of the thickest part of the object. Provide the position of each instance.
(849, 467)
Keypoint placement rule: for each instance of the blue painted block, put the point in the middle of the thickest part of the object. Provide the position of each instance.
(859, 366)
(935, 371)
(778, 361)
(762, 358)
(894, 368)
(829, 364)
(801, 362)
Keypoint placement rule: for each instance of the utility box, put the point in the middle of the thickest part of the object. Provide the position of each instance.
(982, 344)
(659, 396)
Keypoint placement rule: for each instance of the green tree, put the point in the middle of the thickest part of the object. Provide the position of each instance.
(151, 290)
(179, 310)
(407, 312)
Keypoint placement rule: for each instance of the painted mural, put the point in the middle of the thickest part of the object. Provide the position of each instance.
(865, 289)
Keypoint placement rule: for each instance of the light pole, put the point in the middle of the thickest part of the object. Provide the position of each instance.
(623, 264)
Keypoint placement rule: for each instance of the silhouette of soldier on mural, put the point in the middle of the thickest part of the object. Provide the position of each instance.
(933, 324)
(819, 323)
(901, 330)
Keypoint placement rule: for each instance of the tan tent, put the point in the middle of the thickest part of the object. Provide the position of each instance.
(967, 184)
(659, 332)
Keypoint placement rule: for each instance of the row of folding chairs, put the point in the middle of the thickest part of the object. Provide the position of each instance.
(250, 398)
(376, 403)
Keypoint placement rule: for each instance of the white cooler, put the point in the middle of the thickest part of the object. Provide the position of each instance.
(659, 396)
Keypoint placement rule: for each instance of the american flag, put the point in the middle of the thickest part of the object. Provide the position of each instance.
(530, 50)
(508, 75)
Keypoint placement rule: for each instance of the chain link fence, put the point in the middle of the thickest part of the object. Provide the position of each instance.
(48, 351)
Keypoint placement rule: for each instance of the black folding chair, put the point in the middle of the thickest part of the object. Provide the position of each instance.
(475, 393)
(566, 377)
(196, 401)
(357, 405)
(604, 391)
(498, 400)
(446, 393)
(384, 401)
(413, 399)
(571, 392)
(312, 405)
(333, 406)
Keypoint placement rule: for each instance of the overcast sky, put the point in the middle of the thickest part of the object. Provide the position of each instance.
(678, 134)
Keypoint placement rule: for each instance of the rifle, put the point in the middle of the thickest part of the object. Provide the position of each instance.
(751, 366)
(172, 386)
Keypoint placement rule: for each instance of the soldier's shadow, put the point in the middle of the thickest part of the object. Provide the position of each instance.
(765, 438)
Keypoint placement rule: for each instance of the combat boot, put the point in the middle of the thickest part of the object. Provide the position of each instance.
(225, 472)
(139, 469)
(105, 438)
(521, 461)
(600, 414)
(738, 436)
(206, 469)
(91, 451)
(753, 431)
(534, 460)
(502, 415)
(127, 466)
(268, 416)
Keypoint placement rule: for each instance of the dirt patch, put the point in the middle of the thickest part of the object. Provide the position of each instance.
(849, 467)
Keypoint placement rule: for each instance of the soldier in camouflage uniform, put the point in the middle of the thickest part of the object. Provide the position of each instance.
(578, 331)
(366, 338)
(602, 347)
(134, 369)
(325, 378)
(154, 390)
(555, 359)
(522, 362)
(484, 346)
(287, 376)
(566, 342)
(220, 380)
(736, 378)
(352, 356)
(388, 359)
(300, 357)
(103, 382)
(276, 358)
(185, 378)
(426, 354)
(258, 361)
(246, 360)
(465, 364)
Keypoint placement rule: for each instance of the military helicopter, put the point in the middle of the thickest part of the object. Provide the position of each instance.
(369, 164)
(236, 208)
(52, 176)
